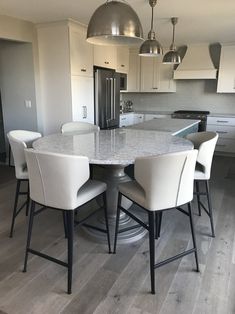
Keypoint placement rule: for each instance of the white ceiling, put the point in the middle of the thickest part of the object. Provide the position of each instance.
(199, 21)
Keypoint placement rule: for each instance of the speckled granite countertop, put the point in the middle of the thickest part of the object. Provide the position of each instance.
(113, 147)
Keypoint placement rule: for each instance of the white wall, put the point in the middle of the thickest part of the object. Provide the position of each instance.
(17, 84)
(23, 31)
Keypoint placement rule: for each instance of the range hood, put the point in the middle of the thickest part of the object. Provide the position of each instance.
(196, 64)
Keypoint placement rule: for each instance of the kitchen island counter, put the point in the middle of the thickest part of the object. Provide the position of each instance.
(179, 127)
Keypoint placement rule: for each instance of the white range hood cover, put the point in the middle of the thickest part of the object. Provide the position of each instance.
(196, 64)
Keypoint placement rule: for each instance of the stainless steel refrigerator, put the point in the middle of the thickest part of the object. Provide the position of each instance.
(107, 98)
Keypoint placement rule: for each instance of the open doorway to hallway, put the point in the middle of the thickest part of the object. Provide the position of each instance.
(17, 85)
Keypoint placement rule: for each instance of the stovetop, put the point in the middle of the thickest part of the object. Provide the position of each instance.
(193, 112)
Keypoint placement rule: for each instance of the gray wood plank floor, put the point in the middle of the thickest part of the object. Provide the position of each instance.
(104, 283)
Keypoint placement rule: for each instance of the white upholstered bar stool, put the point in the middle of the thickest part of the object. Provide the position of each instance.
(61, 182)
(205, 142)
(19, 140)
(161, 182)
(79, 126)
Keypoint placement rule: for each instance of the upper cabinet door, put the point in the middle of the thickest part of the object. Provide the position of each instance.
(133, 77)
(81, 53)
(167, 84)
(122, 59)
(226, 78)
(105, 56)
(149, 75)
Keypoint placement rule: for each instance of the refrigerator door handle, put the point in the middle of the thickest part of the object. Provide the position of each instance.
(107, 100)
(96, 98)
(114, 98)
(111, 97)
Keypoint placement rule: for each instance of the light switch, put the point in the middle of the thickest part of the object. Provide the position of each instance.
(28, 103)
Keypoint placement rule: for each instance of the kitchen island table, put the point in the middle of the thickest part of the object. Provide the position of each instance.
(114, 150)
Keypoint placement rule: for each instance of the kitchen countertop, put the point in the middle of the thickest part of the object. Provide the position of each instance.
(113, 147)
(172, 126)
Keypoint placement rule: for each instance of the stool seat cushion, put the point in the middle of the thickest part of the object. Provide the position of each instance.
(133, 191)
(90, 190)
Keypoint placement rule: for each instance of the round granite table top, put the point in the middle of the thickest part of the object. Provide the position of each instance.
(113, 147)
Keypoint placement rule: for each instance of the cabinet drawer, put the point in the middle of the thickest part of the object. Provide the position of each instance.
(149, 116)
(221, 121)
(224, 131)
(225, 145)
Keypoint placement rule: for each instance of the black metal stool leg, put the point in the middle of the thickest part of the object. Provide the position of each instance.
(70, 226)
(65, 224)
(193, 235)
(30, 227)
(210, 208)
(15, 207)
(198, 198)
(152, 250)
(117, 222)
(106, 221)
(28, 200)
(156, 225)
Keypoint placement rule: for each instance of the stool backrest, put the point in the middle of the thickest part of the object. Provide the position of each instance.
(19, 140)
(166, 179)
(55, 179)
(78, 126)
(205, 142)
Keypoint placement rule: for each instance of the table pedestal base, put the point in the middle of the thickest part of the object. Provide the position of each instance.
(114, 175)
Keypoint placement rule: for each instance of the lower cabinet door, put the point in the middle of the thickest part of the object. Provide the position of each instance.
(83, 98)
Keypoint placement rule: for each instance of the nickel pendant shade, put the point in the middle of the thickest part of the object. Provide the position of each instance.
(151, 47)
(172, 56)
(114, 23)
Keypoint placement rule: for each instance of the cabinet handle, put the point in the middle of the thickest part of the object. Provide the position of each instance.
(83, 70)
(106, 62)
(155, 87)
(222, 121)
(123, 65)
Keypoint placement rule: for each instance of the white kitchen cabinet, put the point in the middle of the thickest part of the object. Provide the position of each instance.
(126, 119)
(83, 98)
(81, 52)
(226, 77)
(60, 46)
(122, 59)
(105, 56)
(156, 76)
(167, 84)
(225, 127)
(149, 74)
(133, 77)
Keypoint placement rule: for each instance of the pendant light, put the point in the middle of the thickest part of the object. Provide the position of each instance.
(151, 47)
(172, 56)
(114, 23)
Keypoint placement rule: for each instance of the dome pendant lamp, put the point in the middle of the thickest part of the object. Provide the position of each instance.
(114, 23)
(172, 56)
(151, 47)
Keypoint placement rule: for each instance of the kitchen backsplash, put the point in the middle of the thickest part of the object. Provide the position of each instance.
(190, 94)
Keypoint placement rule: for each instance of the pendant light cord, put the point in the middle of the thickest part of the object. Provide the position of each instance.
(152, 20)
(173, 37)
